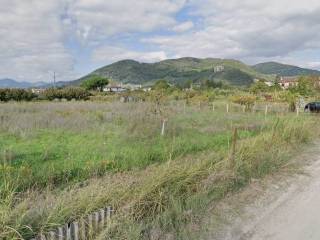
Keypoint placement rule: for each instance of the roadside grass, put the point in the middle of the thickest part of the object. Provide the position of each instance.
(180, 212)
(46, 151)
(159, 185)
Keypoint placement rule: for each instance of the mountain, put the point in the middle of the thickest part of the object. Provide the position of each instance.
(178, 71)
(10, 83)
(283, 69)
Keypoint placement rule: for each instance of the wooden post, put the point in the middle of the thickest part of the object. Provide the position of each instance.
(60, 233)
(83, 227)
(68, 231)
(102, 215)
(199, 105)
(75, 231)
(227, 107)
(298, 111)
(184, 108)
(163, 126)
(43, 237)
(110, 212)
(89, 229)
(52, 236)
(244, 108)
(96, 221)
(233, 150)
(213, 107)
(266, 110)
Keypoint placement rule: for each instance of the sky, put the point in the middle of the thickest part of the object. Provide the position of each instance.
(74, 37)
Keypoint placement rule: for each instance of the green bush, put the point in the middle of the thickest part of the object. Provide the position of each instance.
(246, 100)
(16, 95)
(161, 85)
(66, 93)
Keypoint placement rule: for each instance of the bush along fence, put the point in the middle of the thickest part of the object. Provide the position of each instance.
(84, 229)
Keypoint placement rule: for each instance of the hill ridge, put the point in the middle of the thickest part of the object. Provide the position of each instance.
(178, 71)
(282, 69)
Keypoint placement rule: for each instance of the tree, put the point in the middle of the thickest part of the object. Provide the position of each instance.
(161, 85)
(305, 87)
(205, 84)
(185, 85)
(95, 82)
(291, 98)
(245, 100)
(259, 87)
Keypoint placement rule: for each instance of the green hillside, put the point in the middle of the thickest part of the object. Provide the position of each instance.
(283, 69)
(178, 71)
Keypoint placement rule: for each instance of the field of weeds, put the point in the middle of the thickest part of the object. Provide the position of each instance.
(61, 161)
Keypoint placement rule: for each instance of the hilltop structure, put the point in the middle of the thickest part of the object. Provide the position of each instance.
(219, 68)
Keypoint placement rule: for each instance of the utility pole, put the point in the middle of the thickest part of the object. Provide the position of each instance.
(54, 79)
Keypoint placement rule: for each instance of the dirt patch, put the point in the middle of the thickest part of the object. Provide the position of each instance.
(283, 206)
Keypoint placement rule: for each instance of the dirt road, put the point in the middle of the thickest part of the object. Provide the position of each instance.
(286, 208)
(296, 216)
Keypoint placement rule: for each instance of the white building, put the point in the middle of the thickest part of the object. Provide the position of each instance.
(218, 68)
(286, 82)
(115, 89)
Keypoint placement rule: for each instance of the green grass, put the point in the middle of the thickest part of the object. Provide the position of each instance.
(61, 161)
(47, 156)
(57, 157)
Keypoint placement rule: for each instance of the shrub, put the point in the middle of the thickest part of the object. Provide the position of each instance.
(246, 100)
(161, 85)
(259, 87)
(67, 93)
(16, 95)
(75, 93)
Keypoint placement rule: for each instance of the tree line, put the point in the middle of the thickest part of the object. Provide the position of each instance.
(68, 93)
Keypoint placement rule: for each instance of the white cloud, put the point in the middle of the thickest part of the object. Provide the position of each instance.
(182, 27)
(109, 54)
(38, 37)
(34, 34)
(98, 19)
(32, 40)
(247, 29)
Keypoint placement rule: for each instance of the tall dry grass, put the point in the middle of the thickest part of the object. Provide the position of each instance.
(165, 197)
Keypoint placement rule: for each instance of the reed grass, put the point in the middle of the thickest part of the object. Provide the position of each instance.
(54, 171)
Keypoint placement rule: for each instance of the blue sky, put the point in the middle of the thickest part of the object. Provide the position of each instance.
(74, 37)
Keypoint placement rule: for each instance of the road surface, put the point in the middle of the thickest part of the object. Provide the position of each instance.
(285, 212)
(297, 217)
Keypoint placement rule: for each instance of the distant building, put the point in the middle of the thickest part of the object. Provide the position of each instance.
(147, 89)
(286, 81)
(115, 89)
(37, 90)
(269, 84)
(218, 68)
(131, 87)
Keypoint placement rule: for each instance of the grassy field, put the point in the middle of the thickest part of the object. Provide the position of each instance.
(63, 160)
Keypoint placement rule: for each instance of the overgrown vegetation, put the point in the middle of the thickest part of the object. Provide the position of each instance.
(67, 93)
(7, 94)
(60, 161)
